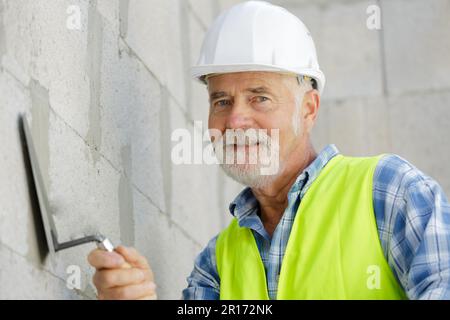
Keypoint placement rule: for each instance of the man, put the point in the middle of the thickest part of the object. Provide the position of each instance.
(321, 226)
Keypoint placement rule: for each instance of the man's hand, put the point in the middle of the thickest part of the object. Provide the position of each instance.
(123, 274)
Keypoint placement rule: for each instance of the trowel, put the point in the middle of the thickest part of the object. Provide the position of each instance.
(47, 219)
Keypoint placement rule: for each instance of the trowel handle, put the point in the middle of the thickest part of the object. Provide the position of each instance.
(107, 245)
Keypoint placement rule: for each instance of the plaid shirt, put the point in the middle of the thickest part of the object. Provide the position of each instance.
(413, 220)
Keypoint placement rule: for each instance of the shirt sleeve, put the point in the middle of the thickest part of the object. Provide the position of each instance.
(413, 218)
(204, 282)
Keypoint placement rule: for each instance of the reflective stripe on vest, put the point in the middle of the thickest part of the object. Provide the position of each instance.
(333, 251)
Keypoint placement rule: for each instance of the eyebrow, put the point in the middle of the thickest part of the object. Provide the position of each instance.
(257, 90)
(217, 95)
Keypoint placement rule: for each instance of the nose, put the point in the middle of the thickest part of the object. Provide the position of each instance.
(239, 116)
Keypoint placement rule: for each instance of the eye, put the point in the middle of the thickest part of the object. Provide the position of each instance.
(260, 99)
(222, 103)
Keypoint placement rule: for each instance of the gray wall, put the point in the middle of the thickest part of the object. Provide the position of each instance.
(104, 100)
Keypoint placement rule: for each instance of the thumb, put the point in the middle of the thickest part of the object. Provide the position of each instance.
(133, 257)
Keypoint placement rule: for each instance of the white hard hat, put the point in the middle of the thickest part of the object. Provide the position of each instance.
(258, 36)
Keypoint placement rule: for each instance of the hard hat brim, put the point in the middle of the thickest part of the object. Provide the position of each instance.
(200, 71)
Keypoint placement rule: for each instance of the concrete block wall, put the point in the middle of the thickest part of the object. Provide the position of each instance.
(103, 101)
(104, 98)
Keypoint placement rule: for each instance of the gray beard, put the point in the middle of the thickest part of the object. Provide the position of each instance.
(248, 175)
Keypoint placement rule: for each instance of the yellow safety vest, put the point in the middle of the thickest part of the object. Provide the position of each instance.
(333, 251)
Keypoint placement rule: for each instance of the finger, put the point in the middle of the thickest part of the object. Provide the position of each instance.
(152, 297)
(132, 256)
(148, 275)
(101, 259)
(109, 278)
(131, 292)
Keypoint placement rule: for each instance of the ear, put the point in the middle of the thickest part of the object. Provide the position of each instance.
(310, 109)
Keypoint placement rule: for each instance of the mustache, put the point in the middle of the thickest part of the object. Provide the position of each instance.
(240, 137)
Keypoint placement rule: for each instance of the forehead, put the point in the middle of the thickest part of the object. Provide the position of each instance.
(239, 80)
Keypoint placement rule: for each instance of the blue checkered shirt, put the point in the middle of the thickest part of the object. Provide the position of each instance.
(413, 220)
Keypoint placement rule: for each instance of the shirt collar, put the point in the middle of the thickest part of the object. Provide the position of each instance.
(245, 203)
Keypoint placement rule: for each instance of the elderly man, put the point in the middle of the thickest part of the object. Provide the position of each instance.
(321, 226)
